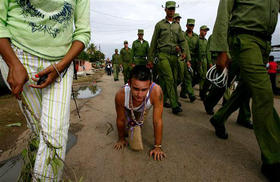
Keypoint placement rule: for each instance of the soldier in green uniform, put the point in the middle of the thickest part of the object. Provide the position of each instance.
(177, 19)
(126, 61)
(184, 76)
(140, 49)
(167, 35)
(244, 28)
(215, 93)
(192, 39)
(116, 64)
(202, 60)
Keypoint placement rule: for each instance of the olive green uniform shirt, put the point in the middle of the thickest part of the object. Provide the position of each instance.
(211, 56)
(126, 55)
(252, 15)
(116, 59)
(202, 48)
(193, 43)
(188, 53)
(140, 50)
(166, 37)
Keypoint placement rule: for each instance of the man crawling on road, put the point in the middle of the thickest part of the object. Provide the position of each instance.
(132, 103)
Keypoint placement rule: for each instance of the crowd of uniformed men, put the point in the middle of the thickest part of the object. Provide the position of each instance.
(242, 33)
(174, 56)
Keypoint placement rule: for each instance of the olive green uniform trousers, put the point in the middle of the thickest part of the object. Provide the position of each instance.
(116, 68)
(202, 72)
(126, 71)
(167, 69)
(251, 52)
(186, 87)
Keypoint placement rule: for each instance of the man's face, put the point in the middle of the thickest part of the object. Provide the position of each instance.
(139, 89)
(170, 12)
(190, 27)
(140, 36)
(116, 51)
(125, 45)
(203, 33)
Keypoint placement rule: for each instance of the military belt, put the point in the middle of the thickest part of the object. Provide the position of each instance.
(168, 50)
(261, 35)
(140, 57)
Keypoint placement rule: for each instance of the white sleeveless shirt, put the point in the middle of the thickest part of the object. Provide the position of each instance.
(140, 107)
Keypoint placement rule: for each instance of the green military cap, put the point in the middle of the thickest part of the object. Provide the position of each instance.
(204, 27)
(170, 4)
(177, 15)
(190, 21)
(125, 42)
(116, 50)
(140, 31)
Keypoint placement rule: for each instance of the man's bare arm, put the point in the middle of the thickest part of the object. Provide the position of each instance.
(157, 102)
(120, 121)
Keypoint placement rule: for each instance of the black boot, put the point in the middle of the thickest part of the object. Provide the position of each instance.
(167, 105)
(176, 110)
(271, 172)
(220, 130)
(192, 99)
(179, 104)
(246, 124)
(183, 96)
(208, 110)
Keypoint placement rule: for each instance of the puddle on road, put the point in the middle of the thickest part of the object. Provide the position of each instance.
(85, 92)
(10, 170)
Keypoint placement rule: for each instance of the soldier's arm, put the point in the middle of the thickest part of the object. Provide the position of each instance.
(188, 53)
(147, 49)
(219, 41)
(198, 50)
(208, 53)
(133, 52)
(153, 46)
(121, 56)
(183, 42)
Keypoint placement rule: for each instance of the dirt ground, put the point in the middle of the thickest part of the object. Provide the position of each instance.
(194, 153)
(10, 113)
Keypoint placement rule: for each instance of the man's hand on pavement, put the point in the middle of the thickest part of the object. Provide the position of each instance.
(120, 144)
(157, 154)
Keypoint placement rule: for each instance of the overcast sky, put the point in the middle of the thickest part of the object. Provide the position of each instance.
(113, 21)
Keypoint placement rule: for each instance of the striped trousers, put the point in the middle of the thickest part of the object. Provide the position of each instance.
(52, 106)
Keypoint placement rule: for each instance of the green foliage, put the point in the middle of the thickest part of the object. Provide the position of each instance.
(91, 54)
(83, 56)
(29, 157)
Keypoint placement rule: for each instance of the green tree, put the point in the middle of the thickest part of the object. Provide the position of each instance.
(83, 56)
(91, 49)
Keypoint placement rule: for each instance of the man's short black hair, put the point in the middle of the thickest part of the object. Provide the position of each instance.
(271, 58)
(140, 72)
